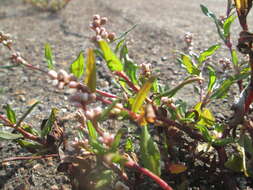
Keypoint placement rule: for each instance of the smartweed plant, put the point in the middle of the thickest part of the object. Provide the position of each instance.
(167, 140)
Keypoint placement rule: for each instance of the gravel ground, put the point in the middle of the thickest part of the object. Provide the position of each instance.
(159, 33)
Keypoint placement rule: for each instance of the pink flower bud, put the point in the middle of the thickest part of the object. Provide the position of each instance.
(55, 82)
(92, 97)
(64, 76)
(90, 114)
(104, 34)
(98, 38)
(111, 36)
(96, 17)
(103, 20)
(52, 74)
(61, 85)
(97, 30)
(97, 111)
(73, 84)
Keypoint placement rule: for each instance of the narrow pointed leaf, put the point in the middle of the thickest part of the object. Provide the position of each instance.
(49, 56)
(11, 114)
(210, 51)
(49, 123)
(77, 67)
(150, 155)
(91, 78)
(227, 24)
(212, 79)
(142, 94)
(9, 136)
(130, 69)
(104, 115)
(222, 90)
(113, 63)
(189, 65)
(234, 57)
(27, 113)
(117, 138)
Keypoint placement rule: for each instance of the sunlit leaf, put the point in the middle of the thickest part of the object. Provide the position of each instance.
(11, 114)
(171, 92)
(205, 115)
(77, 67)
(222, 90)
(210, 51)
(189, 65)
(49, 123)
(223, 142)
(113, 63)
(142, 94)
(234, 57)
(129, 145)
(150, 155)
(212, 79)
(215, 20)
(49, 56)
(177, 168)
(227, 24)
(130, 68)
(241, 149)
(9, 136)
(90, 77)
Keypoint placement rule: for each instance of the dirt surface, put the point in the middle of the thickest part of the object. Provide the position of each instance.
(159, 33)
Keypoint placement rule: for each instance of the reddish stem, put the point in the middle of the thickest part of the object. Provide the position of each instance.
(106, 94)
(30, 157)
(130, 84)
(148, 173)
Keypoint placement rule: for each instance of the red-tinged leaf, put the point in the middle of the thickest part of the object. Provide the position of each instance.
(177, 168)
(90, 78)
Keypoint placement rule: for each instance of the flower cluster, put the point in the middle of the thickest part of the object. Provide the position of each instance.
(101, 33)
(5, 39)
(62, 78)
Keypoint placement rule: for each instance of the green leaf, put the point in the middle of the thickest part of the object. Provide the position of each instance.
(234, 57)
(222, 90)
(77, 67)
(119, 45)
(150, 155)
(210, 51)
(31, 130)
(174, 90)
(235, 163)
(203, 129)
(92, 131)
(97, 147)
(129, 145)
(130, 68)
(113, 63)
(212, 79)
(125, 33)
(27, 113)
(30, 146)
(223, 142)
(9, 136)
(142, 94)
(104, 178)
(117, 138)
(11, 114)
(241, 148)
(91, 78)
(104, 115)
(49, 56)
(227, 24)
(49, 123)
(215, 20)
(189, 65)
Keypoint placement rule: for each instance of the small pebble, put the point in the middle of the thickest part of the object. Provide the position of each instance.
(164, 58)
